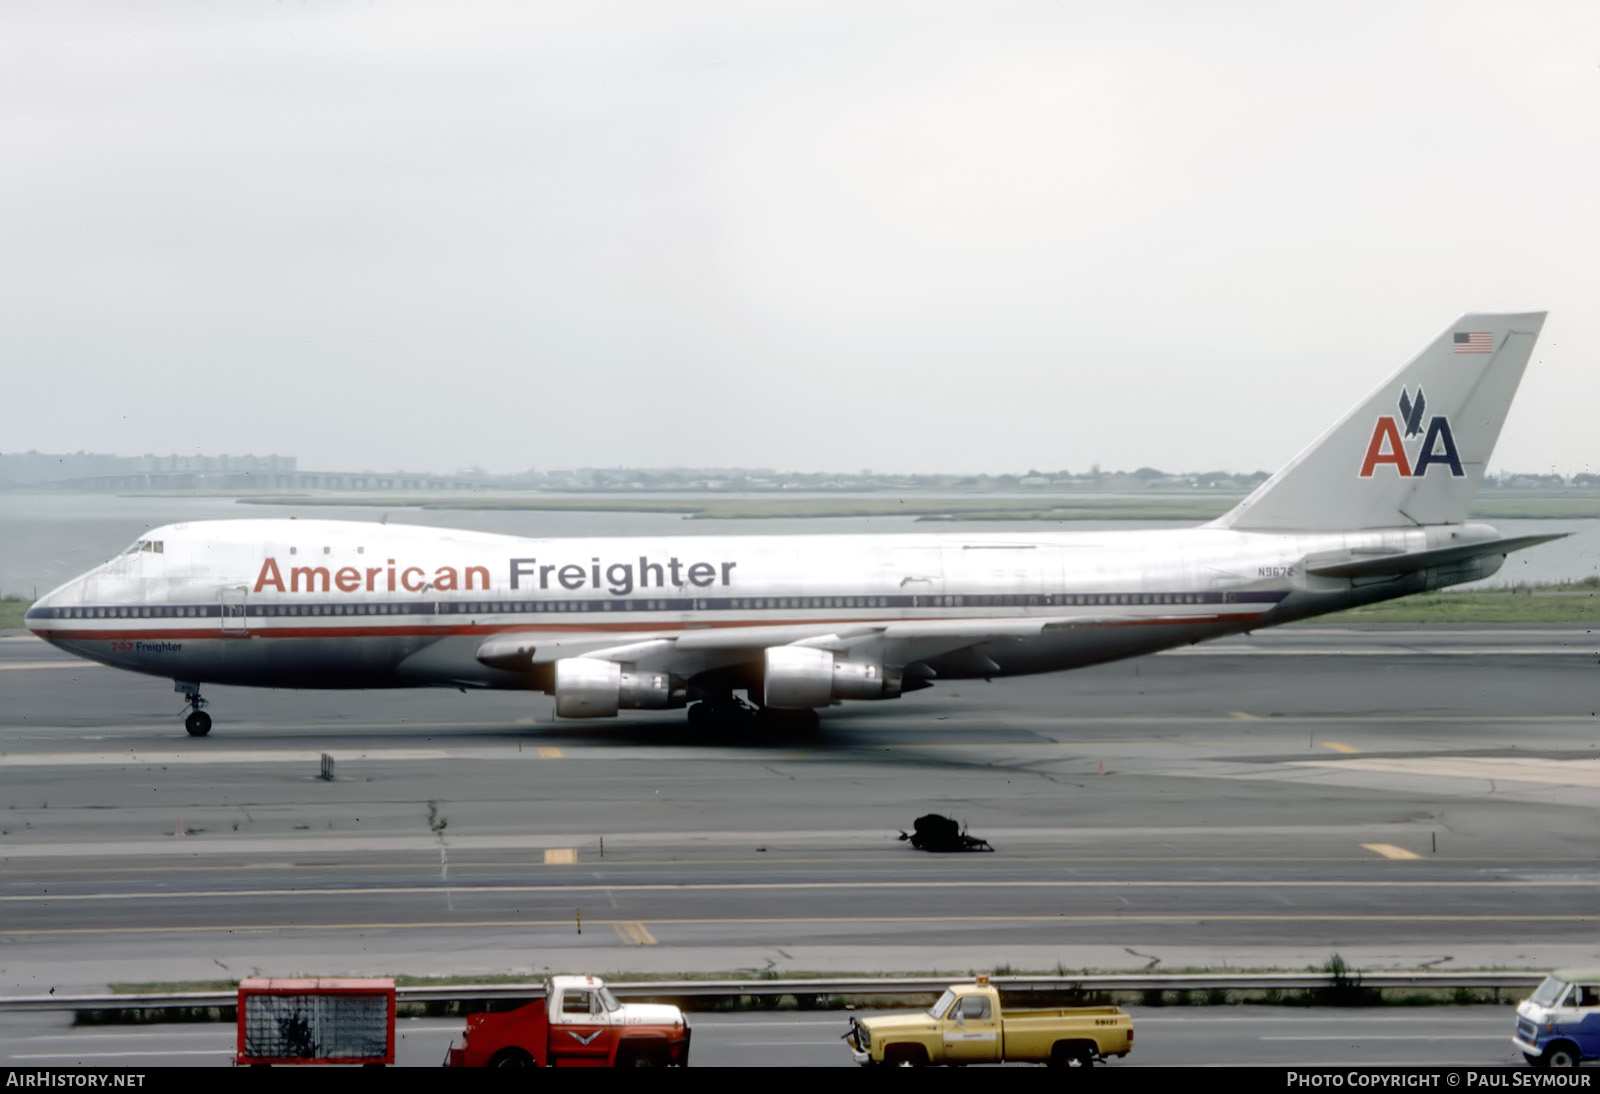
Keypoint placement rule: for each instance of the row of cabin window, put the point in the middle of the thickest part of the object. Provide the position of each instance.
(754, 604)
(486, 608)
(1066, 599)
(132, 613)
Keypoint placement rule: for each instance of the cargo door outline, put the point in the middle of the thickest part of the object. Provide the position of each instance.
(232, 610)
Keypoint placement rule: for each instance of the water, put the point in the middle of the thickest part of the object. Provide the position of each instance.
(46, 539)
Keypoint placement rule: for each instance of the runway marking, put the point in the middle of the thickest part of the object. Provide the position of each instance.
(23, 667)
(1389, 850)
(559, 856)
(84, 1037)
(1340, 746)
(555, 856)
(734, 921)
(1582, 772)
(241, 756)
(526, 722)
(301, 844)
(225, 1052)
(634, 933)
(1214, 719)
(601, 751)
(1485, 1036)
(15, 873)
(1247, 717)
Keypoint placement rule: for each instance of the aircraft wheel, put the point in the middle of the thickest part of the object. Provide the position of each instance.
(198, 723)
(712, 716)
(788, 721)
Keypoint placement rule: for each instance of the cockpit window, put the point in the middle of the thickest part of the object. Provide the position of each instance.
(154, 546)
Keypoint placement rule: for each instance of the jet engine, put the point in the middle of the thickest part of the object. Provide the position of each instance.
(590, 687)
(804, 677)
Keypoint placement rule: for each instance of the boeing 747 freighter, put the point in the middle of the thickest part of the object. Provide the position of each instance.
(1374, 509)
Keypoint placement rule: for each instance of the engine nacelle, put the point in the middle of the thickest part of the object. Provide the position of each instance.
(589, 687)
(804, 677)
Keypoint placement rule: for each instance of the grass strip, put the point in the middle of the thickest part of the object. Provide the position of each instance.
(11, 612)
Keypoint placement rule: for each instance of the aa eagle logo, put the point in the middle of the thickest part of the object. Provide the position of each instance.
(1386, 446)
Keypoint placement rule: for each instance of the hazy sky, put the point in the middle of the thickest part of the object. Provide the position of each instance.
(809, 235)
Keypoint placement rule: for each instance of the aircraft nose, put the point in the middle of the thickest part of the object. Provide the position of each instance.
(37, 616)
(43, 615)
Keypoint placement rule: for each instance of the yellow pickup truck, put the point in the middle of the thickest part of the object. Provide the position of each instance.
(967, 1026)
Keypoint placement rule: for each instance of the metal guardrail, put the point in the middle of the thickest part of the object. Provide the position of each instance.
(930, 985)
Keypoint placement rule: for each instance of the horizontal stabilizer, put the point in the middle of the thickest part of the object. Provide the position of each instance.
(1349, 565)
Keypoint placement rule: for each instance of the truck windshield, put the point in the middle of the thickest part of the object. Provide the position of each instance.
(938, 1009)
(1546, 994)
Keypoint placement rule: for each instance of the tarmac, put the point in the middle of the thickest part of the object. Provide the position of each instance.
(1404, 797)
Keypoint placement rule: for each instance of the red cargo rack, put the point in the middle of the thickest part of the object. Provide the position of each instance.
(316, 1022)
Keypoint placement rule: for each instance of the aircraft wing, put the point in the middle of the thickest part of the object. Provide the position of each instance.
(686, 653)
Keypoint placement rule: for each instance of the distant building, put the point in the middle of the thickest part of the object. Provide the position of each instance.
(51, 469)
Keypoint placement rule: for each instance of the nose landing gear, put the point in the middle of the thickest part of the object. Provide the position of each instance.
(198, 723)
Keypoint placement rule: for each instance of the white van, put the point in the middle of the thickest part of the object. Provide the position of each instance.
(1559, 1024)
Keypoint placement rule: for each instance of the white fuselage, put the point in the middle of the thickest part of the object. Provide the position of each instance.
(306, 603)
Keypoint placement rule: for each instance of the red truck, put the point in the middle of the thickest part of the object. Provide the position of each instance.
(578, 1023)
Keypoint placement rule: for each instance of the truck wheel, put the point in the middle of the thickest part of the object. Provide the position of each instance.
(905, 1056)
(1560, 1054)
(511, 1057)
(1065, 1054)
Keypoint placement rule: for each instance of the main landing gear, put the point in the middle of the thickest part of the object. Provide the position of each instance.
(726, 712)
(198, 723)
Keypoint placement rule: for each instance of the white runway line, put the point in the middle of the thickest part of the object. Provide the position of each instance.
(243, 756)
(1583, 772)
(223, 1053)
(315, 844)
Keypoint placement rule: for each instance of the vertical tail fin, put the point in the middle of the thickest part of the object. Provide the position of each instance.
(1414, 451)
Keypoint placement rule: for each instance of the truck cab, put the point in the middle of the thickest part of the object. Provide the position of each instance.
(1559, 1024)
(578, 1023)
